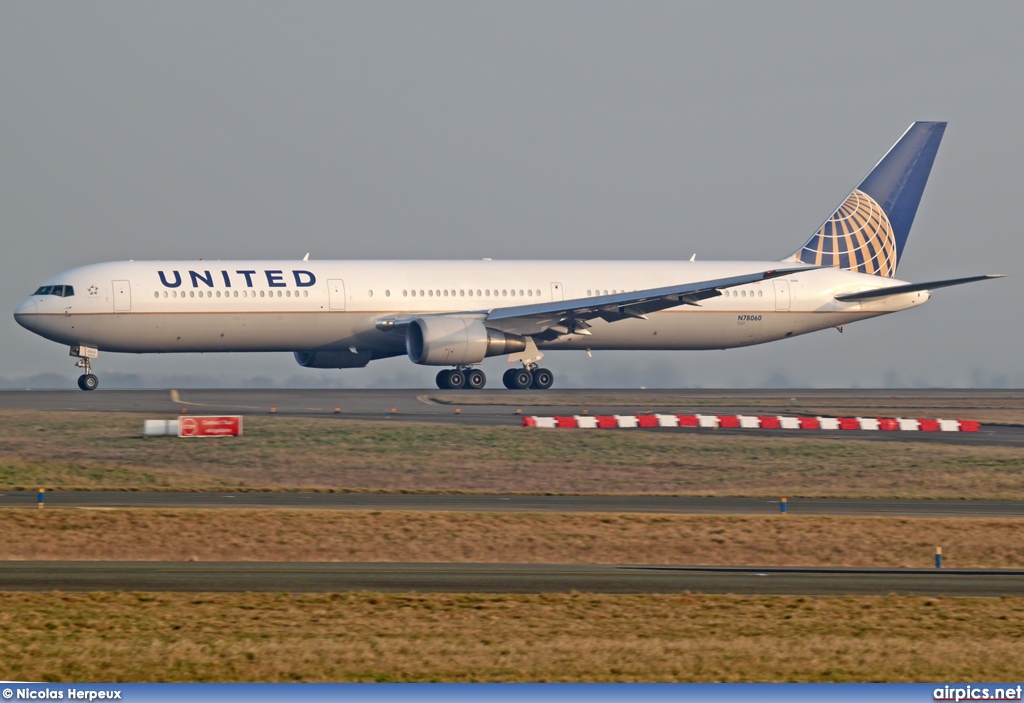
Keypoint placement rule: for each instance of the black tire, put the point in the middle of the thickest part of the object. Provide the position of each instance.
(456, 379)
(442, 379)
(475, 379)
(543, 379)
(523, 379)
(88, 382)
(508, 378)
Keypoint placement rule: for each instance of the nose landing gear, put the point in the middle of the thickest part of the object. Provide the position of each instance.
(88, 380)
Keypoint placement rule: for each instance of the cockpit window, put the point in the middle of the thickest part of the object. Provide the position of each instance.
(60, 291)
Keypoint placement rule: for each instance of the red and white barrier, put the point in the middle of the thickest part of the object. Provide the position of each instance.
(763, 422)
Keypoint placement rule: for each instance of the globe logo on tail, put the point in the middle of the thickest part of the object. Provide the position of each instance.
(858, 237)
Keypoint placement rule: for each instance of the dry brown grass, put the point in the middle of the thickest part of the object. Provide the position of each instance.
(438, 637)
(295, 535)
(75, 450)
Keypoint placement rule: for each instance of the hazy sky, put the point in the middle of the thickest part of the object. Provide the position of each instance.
(515, 130)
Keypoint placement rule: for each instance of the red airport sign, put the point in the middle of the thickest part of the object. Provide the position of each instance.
(210, 426)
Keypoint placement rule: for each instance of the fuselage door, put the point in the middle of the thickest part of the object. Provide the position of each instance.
(336, 293)
(782, 297)
(122, 296)
(556, 292)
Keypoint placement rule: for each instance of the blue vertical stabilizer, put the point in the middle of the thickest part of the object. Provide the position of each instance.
(868, 231)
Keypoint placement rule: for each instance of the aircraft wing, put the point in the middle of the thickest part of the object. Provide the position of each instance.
(911, 288)
(561, 317)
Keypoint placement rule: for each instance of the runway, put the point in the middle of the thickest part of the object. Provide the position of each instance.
(492, 503)
(306, 577)
(495, 407)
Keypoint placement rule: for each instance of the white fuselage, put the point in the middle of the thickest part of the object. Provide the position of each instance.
(236, 306)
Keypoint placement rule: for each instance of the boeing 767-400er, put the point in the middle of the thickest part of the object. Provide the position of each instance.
(345, 314)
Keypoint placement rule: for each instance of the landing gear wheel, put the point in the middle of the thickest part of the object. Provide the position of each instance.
(456, 379)
(475, 379)
(542, 379)
(508, 379)
(88, 382)
(523, 379)
(442, 379)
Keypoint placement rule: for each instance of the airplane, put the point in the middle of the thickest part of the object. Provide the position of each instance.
(454, 314)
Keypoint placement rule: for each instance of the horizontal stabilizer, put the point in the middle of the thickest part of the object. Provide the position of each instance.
(911, 288)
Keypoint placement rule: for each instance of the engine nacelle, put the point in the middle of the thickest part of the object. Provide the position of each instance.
(333, 359)
(450, 341)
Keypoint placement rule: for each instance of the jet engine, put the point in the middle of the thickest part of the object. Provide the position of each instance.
(333, 359)
(450, 341)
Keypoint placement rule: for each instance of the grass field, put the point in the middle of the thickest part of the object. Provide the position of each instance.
(437, 637)
(296, 535)
(77, 450)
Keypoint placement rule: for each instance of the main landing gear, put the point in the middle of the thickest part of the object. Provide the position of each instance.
(461, 377)
(514, 379)
(528, 377)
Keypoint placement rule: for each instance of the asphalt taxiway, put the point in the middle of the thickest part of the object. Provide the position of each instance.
(307, 577)
(493, 407)
(504, 503)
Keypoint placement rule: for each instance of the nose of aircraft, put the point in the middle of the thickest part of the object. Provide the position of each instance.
(25, 314)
